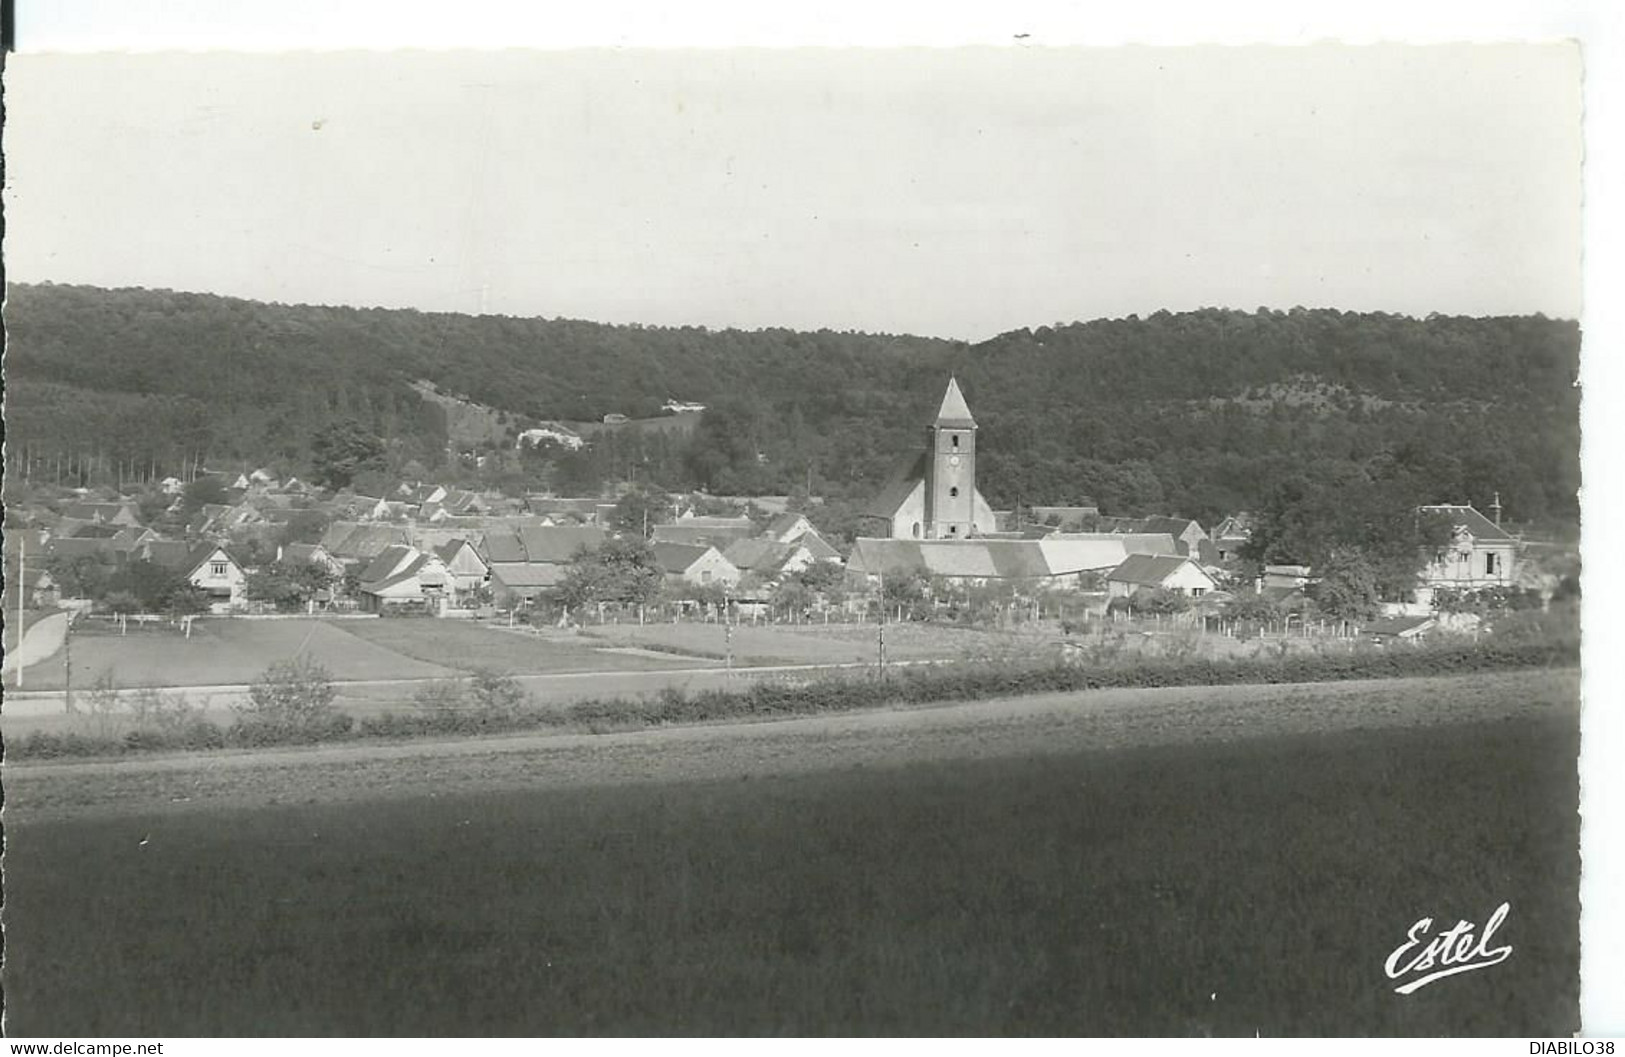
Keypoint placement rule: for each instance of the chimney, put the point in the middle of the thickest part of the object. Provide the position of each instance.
(1495, 509)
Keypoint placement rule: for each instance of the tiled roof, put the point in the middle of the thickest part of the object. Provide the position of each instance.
(907, 473)
(759, 555)
(679, 557)
(389, 562)
(817, 546)
(1465, 517)
(524, 574)
(559, 544)
(1082, 555)
(1148, 570)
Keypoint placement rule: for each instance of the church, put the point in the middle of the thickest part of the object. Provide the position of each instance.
(938, 525)
(932, 495)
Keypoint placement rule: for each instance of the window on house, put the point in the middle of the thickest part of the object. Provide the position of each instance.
(217, 568)
(953, 530)
(1489, 565)
(705, 577)
(1464, 556)
(954, 440)
(1198, 592)
(916, 530)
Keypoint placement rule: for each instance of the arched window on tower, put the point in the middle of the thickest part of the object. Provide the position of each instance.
(916, 530)
(953, 493)
(955, 440)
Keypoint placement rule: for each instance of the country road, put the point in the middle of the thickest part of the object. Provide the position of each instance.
(40, 641)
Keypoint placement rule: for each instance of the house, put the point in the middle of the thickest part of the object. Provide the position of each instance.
(527, 559)
(786, 527)
(403, 576)
(1481, 553)
(550, 433)
(932, 494)
(310, 554)
(698, 564)
(465, 569)
(207, 566)
(1187, 534)
(1230, 535)
(1075, 518)
(354, 543)
(983, 560)
(766, 560)
(521, 583)
(1167, 572)
(1410, 629)
(38, 588)
(125, 515)
(1286, 577)
(707, 531)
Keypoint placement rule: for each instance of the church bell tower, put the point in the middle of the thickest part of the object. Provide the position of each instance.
(950, 470)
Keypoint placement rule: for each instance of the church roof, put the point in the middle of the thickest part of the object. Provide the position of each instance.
(907, 473)
(954, 413)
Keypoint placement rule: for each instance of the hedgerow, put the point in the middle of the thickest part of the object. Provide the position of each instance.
(497, 708)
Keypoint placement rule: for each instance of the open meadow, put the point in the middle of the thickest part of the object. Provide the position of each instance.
(815, 643)
(1184, 861)
(236, 651)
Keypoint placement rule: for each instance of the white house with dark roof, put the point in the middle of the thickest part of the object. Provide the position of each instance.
(207, 566)
(1481, 554)
(1167, 572)
(403, 575)
(699, 564)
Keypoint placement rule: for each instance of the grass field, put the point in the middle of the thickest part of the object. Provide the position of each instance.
(820, 644)
(221, 651)
(459, 644)
(1229, 888)
(236, 651)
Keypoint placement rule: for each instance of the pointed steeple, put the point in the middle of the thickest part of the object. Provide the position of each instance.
(954, 414)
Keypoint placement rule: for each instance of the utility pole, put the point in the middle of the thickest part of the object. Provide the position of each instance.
(22, 558)
(727, 636)
(67, 665)
(882, 625)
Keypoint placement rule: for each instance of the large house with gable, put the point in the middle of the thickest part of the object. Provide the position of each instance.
(1481, 554)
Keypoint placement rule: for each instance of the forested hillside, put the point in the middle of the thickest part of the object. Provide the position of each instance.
(1198, 413)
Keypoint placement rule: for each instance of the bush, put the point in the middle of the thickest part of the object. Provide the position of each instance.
(496, 693)
(441, 695)
(291, 703)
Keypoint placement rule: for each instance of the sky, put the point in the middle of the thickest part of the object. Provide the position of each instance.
(951, 192)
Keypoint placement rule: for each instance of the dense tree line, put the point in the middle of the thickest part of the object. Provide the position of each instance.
(1199, 413)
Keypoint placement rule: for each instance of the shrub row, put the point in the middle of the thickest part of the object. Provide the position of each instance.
(773, 698)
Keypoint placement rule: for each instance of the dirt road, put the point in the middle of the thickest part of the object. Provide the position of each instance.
(998, 728)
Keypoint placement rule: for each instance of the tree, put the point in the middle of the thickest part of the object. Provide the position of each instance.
(342, 450)
(618, 570)
(157, 588)
(210, 490)
(1158, 601)
(640, 510)
(1347, 587)
(287, 585)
